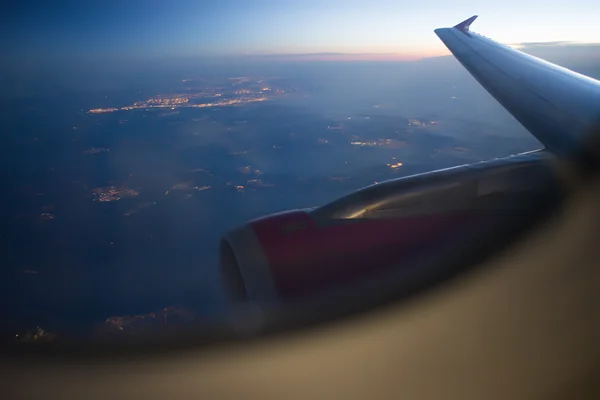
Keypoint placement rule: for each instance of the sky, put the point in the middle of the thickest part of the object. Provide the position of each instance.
(394, 29)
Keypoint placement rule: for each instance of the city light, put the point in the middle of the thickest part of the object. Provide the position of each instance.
(183, 101)
(112, 193)
(394, 166)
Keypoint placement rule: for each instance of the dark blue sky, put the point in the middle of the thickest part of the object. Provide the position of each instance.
(199, 27)
(111, 26)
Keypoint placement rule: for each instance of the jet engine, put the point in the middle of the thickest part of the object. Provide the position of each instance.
(393, 226)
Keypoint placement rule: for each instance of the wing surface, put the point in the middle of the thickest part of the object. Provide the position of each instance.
(558, 106)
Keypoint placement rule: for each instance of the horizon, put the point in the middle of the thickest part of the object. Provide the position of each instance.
(31, 77)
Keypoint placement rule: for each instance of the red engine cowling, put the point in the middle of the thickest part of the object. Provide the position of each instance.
(291, 254)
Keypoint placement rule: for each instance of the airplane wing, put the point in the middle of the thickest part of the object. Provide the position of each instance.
(558, 106)
(400, 227)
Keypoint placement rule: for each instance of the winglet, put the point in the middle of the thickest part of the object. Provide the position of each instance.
(464, 26)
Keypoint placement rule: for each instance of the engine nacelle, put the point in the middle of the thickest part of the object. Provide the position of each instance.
(389, 225)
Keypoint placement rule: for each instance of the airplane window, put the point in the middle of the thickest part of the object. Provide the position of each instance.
(171, 167)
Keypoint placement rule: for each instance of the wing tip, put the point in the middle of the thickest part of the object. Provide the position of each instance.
(464, 26)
